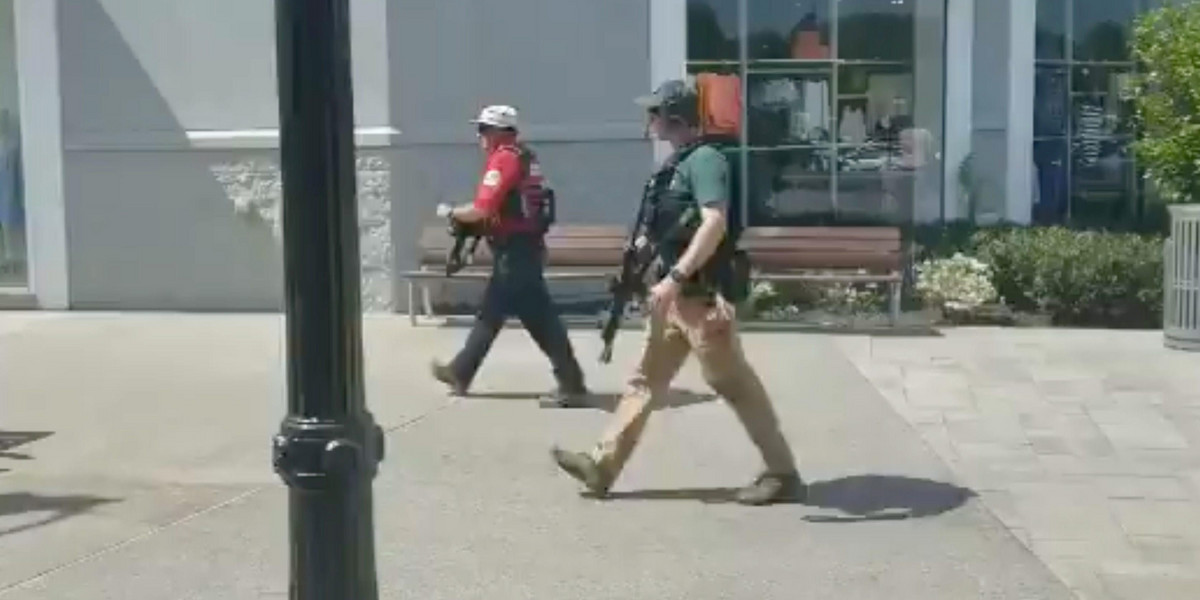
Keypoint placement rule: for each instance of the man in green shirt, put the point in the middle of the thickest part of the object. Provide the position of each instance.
(689, 313)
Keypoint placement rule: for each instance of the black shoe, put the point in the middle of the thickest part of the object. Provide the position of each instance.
(771, 489)
(566, 398)
(445, 374)
(581, 466)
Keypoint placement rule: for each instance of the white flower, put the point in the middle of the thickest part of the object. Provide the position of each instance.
(960, 280)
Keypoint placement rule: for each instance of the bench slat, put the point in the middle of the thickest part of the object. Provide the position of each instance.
(819, 246)
(770, 248)
(821, 260)
(843, 233)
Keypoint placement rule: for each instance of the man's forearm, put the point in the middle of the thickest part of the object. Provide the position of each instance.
(704, 243)
(467, 214)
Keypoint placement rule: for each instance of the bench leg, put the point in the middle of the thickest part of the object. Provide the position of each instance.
(412, 303)
(894, 302)
(427, 301)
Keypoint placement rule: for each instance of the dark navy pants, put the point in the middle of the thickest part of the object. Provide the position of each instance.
(518, 288)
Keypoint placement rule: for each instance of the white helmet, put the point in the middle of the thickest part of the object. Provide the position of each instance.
(497, 116)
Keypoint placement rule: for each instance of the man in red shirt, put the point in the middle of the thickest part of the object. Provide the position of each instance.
(513, 203)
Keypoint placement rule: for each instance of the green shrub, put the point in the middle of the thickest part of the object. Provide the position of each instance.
(1166, 42)
(1077, 277)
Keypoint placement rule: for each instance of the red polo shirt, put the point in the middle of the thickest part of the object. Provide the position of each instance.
(501, 176)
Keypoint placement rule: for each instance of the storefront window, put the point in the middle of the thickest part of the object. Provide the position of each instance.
(12, 202)
(1086, 173)
(843, 107)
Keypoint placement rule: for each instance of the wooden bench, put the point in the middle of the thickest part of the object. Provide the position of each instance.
(574, 252)
(593, 252)
(829, 254)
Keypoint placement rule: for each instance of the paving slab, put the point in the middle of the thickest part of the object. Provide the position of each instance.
(1106, 490)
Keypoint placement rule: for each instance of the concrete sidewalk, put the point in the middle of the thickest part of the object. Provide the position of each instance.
(146, 474)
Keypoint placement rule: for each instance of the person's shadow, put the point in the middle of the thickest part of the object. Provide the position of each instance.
(58, 507)
(675, 398)
(856, 498)
(15, 439)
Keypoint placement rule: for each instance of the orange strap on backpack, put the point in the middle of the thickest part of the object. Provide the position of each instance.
(720, 103)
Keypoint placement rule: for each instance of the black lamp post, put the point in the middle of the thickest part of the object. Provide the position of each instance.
(328, 447)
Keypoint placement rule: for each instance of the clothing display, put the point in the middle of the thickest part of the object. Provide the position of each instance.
(802, 106)
(853, 125)
(814, 111)
(720, 103)
(1089, 129)
(887, 96)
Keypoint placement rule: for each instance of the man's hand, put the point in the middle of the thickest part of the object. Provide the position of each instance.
(462, 214)
(663, 294)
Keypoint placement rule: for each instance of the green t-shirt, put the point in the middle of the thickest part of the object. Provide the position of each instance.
(704, 173)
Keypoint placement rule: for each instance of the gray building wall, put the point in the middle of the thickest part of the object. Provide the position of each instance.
(150, 212)
(572, 67)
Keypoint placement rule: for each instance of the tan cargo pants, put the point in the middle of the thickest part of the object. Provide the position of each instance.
(693, 325)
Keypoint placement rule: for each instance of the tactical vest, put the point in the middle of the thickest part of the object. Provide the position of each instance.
(529, 208)
(661, 215)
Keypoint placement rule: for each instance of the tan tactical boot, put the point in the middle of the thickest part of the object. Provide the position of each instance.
(770, 489)
(581, 466)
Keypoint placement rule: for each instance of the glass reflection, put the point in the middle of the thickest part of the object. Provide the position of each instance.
(791, 186)
(1103, 185)
(712, 30)
(1051, 37)
(1050, 201)
(1050, 102)
(875, 30)
(1101, 29)
(789, 30)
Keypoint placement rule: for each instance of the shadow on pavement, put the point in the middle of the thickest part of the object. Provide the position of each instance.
(577, 322)
(784, 327)
(884, 497)
(676, 398)
(15, 439)
(858, 498)
(59, 507)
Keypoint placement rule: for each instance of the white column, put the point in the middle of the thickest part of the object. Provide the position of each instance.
(42, 150)
(928, 97)
(1022, 47)
(960, 43)
(668, 50)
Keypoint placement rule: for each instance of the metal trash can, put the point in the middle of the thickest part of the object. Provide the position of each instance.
(1181, 279)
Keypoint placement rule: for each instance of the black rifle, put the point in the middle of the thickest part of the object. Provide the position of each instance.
(639, 254)
(462, 253)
